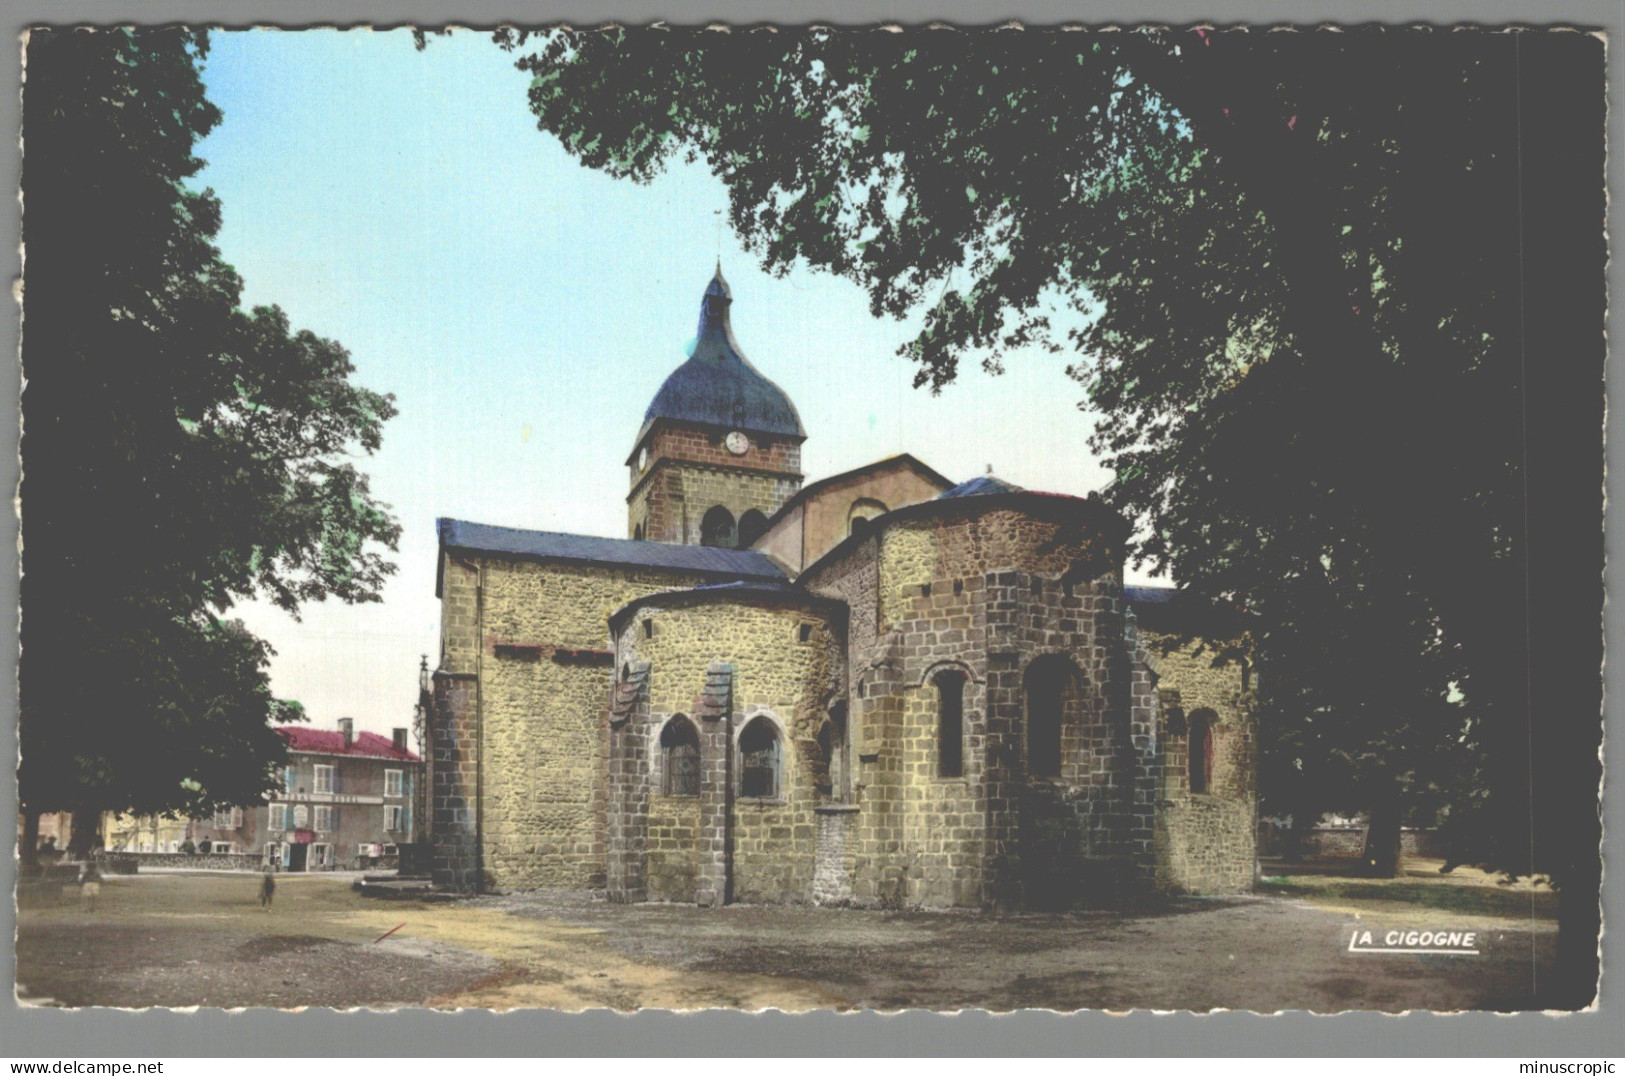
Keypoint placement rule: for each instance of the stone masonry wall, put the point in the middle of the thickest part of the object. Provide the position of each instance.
(535, 648)
(1207, 843)
(673, 847)
(768, 846)
(453, 775)
(691, 471)
(672, 504)
(706, 446)
(986, 594)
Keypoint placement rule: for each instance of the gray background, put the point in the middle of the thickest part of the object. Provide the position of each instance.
(49, 1034)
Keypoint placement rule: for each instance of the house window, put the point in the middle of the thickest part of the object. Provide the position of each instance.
(950, 724)
(680, 758)
(394, 818)
(301, 816)
(393, 782)
(275, 816)
(273, 852)
(752, 525)
(760, 758)
(324, 779)
(321, 855)
(228, 817)
(1201, 750)
(290, 778)
(717, 528)
(1046, 689)
(324, 819)
(224, 848)
(804, 632)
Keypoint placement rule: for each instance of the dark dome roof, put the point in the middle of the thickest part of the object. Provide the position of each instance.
(718, 386)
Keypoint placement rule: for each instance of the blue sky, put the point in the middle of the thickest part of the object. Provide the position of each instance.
(524, 311)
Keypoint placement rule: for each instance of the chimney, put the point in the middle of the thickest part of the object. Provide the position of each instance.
(347, 727)
(399, 736)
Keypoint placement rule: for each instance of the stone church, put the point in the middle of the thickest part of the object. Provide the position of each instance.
(880, 688)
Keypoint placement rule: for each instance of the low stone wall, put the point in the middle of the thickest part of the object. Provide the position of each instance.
(1348, 841)
(118, 862)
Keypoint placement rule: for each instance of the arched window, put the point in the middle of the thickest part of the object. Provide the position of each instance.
(862, 511)
(1047, 679)
(1201, 750)
(760, 757)
(680, 758)
(751, 526)
(717, 528)
(637, 533)
(950, 723)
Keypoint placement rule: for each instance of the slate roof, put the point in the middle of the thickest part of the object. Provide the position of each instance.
(718, 386)
(331, 742)
(1149, 595)
(980, 486)
(626, 694)
(549, 545)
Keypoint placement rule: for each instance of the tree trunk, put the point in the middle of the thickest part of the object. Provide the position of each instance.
(28, 851)
(1380, 859)
(87, 828)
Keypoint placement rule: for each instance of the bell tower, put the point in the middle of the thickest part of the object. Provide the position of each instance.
(720, 447)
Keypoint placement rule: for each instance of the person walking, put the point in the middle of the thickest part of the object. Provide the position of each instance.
(267, 887)
(90, 887)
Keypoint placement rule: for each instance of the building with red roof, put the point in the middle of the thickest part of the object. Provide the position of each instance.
(348, 800)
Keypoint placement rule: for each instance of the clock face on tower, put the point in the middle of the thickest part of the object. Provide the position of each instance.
(643, 458)
(737, 443)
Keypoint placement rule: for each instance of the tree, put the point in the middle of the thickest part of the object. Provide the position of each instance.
(179, 453)
(1302, 279)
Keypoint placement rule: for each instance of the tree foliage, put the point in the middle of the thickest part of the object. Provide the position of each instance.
(179, 454)
(1301, 279)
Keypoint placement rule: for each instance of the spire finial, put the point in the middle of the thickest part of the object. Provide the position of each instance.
(990, 468)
